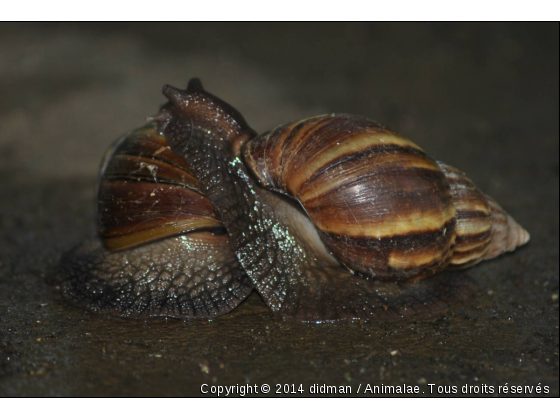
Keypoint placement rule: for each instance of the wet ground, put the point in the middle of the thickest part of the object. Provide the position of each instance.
(480, 97)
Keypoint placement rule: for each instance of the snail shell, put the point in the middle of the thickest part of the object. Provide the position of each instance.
(381, 204)
(147, 192)
(331, 217)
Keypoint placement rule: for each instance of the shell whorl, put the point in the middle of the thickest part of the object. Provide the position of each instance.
(484, 229)
(147, 192)
(382, 206)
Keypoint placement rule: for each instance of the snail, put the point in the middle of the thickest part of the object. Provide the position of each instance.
(162, 250)
(329, 218)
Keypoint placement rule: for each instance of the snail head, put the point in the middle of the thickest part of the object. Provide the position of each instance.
(193, 116)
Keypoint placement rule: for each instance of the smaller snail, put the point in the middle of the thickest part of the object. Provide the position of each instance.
(161, 251)
(331, 217)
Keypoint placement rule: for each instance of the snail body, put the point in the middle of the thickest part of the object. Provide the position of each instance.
(331, 217)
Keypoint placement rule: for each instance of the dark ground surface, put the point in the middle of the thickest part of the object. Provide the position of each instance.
(480, 97)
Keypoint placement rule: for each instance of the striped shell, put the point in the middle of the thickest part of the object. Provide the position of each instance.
(383, 207)
(147, 192)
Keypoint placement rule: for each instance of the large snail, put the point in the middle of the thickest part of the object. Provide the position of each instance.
(331, 217)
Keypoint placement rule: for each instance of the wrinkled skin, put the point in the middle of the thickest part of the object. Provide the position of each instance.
(192, 276)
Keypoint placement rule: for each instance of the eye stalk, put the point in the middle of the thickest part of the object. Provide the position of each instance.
(176, 96)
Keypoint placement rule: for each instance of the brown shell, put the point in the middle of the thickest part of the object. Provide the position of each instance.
(147, 192)
(382, 205)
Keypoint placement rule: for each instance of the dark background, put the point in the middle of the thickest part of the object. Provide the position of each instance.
(482, 97)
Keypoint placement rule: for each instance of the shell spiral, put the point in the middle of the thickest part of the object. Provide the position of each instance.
(147, 192)
(382, 206)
